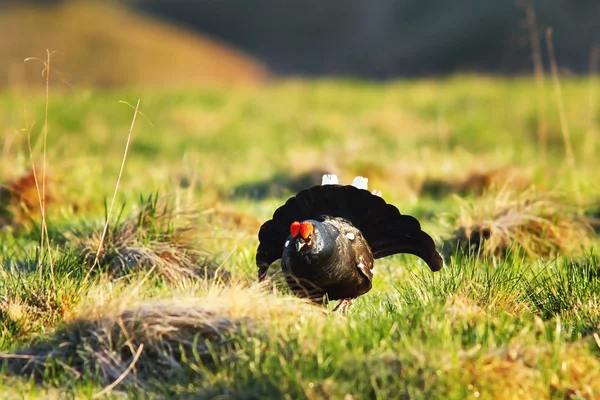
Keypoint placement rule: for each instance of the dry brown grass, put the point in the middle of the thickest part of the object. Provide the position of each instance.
(159, 338)
(536, 224)
(19, 199)
(158, 236)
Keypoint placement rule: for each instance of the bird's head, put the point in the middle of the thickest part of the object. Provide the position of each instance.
(303, 235)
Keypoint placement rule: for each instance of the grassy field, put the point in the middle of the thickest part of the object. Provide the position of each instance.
(171, 308)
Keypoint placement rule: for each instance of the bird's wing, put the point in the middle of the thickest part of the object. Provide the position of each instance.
(362, 256)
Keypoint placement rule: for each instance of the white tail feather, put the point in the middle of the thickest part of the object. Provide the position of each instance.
(329, 179)
(361, 182)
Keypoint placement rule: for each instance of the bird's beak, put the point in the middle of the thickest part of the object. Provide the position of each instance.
(299, 244)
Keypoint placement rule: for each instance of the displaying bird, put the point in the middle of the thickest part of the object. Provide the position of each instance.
(328, 238)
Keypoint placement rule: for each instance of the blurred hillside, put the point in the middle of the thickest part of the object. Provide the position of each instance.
(384, 38)
(103, 44)
(367, 38)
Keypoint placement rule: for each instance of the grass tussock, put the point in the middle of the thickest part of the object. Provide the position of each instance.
(138, 341)
(158, 236)
(504, 220)
(30, 301)
(569, 289)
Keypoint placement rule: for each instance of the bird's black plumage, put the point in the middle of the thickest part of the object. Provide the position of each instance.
(330, 266)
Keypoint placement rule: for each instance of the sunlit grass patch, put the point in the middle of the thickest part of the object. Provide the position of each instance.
(30, 299)
(523, 370)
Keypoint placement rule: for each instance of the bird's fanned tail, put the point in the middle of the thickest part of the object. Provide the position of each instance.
(385, 229)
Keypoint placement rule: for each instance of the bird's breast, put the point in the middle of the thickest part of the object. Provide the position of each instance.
(321, 268)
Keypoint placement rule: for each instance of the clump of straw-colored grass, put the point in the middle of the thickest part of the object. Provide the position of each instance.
(531, 223)
(158, 236)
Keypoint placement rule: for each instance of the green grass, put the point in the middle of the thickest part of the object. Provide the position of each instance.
(489, 325)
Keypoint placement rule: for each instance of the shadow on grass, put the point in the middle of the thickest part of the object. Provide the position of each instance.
(593, 218)
(279, 185)
(475, 183)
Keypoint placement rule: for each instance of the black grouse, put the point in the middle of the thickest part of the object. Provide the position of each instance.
(329, 236)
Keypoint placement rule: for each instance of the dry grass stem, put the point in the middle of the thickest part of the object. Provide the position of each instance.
(538, 72)
(44, 237)
(592, 130)
(112, 202)
(564, 125)
(110, 387)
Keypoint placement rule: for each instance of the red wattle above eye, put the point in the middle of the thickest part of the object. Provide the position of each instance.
(306, 229)
(295, 228)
